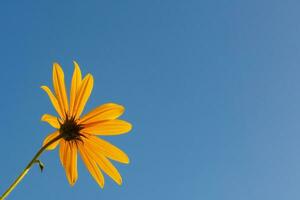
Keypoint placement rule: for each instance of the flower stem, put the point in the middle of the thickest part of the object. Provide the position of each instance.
(27, 168)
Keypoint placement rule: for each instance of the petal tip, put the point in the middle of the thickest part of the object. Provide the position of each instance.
(127, 161)
(55, 64)
(75, 63)
(43, 117)
(72, 184)
(57, 68)
(122, 108)
(120, 182)
(77, 68)
(101, 184)
(129, 126)
(90, 76)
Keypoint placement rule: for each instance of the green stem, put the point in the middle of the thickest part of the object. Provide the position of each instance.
(27, 168)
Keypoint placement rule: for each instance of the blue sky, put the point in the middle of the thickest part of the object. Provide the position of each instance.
(211, 87)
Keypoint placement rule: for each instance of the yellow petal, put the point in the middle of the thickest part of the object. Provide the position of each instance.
(105, 148)
(53, 101)
(91, 165)
(52, 120)
(73, 164)
(106, 111)
(111, 127)
(83, 94)
(75, 85)
(60, 88)
(49, 138)
(62, 152)
(70, 162)
(106, 166)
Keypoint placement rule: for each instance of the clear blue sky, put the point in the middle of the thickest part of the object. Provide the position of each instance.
(211, 87)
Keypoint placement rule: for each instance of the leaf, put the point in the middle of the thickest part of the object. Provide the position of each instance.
(41, 165)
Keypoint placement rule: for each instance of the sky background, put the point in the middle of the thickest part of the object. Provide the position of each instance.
(211, 87)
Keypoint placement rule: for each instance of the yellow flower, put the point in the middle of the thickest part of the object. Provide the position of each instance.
(80, 133)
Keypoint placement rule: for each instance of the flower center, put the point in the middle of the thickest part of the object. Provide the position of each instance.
(70, 130)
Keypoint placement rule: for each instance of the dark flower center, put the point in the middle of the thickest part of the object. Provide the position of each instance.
(70, 130)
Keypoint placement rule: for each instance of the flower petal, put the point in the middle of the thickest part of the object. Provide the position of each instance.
(106, 166)
(53, 101)
(70, 162)
(110, 127)
(49, 138)
(105, 148)
(75, 85)
(106, 111)
(91, 165)
(83, 94)
(52, 120)
(60, 88)
(62, 152)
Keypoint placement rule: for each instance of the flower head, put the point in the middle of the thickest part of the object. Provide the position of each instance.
(80, 133)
